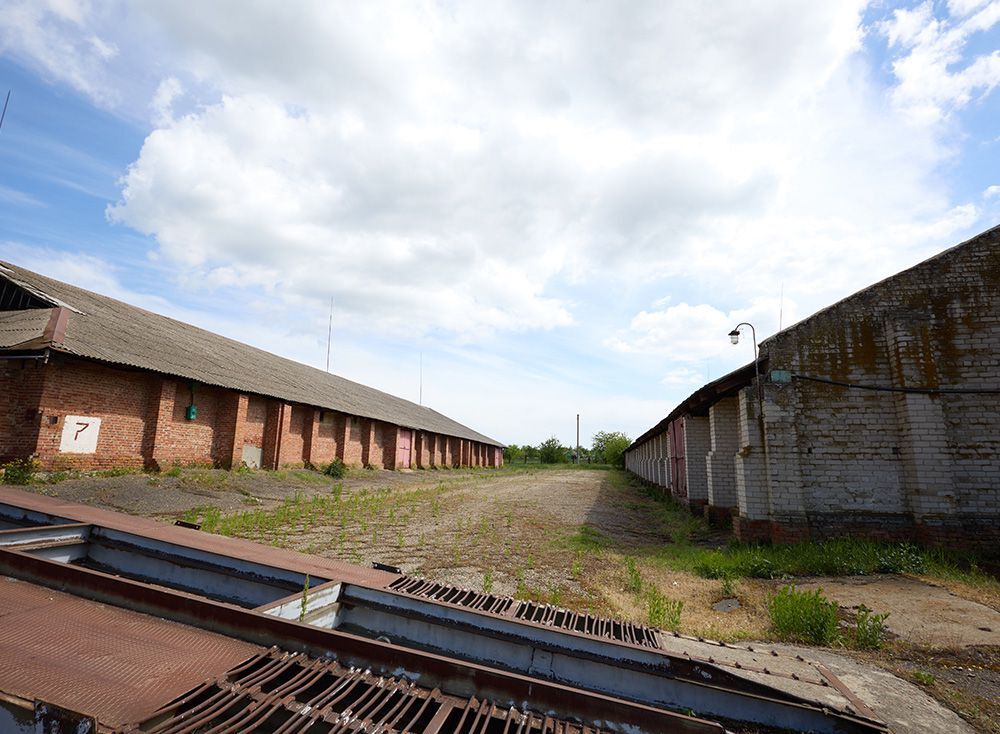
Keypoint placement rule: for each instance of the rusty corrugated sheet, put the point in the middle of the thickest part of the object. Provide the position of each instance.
(452, 595)
(280, 692)
(114, 664)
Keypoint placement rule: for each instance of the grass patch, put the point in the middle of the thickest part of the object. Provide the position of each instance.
(663, 612)
(841, 557)
(585, 539)
(803, 616)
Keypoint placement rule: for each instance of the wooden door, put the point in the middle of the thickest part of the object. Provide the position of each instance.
(403, 444)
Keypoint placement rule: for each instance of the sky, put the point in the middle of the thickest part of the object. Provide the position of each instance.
(519, 211)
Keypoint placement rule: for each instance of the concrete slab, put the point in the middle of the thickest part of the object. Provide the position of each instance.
(944, 619)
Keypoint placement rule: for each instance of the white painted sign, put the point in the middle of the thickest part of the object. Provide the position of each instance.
(79, 435)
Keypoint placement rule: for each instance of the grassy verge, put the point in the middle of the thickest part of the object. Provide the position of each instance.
(840, 557)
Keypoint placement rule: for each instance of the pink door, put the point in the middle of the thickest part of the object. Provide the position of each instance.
(403, 448)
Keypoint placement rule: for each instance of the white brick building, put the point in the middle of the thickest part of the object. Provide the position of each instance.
(881, 416)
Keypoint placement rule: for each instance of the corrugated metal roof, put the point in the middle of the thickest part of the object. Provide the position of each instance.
(287, 692)
(114, 664)
(108, 330)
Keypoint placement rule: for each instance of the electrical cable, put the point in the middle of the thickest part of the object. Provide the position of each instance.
(913, 390)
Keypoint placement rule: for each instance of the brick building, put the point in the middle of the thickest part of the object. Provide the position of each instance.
(880, 417)
(90, 382)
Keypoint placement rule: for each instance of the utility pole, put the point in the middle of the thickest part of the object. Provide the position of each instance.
(421, 378)
(577, 438)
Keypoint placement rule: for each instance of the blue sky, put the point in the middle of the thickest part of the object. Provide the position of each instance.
(560, 209)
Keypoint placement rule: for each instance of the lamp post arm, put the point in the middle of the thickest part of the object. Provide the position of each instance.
(756, 365)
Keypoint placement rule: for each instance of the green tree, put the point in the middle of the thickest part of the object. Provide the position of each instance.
(512, 453)
(610, 447)
(530, 453)
(551, 451)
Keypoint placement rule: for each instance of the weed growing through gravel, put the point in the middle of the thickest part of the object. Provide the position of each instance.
(367, 510)
(522, 588)
(487, 581)
(803, 616)
(633, 577)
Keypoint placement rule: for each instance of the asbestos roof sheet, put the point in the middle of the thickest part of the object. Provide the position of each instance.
(22, 327)
(111, 331)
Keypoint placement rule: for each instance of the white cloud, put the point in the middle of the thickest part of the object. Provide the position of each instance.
(436, 169)
(57, 38)
(162, 105)
(693, 333)
(934, 76)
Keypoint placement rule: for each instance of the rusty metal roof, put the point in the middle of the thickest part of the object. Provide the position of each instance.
(283, 692)
(111, 331)
(111, 663)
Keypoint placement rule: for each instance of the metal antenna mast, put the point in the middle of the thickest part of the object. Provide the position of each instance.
(329, 335)
(4, 113)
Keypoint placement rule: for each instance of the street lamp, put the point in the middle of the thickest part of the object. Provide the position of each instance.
(734, 337)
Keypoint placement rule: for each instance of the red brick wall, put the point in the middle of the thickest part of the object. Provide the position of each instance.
(144, 423)
(326, 439)
(253, 425)
(20, 391)
(389, 435)
(353, 449)
(293, 442)
(184, 441)
(118, 397)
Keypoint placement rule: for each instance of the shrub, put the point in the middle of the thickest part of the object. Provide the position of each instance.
(664, 613)
(19, 471)
(923, 677)
(728, 586)
(336, 469)
(803, 616)
(870, 632)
